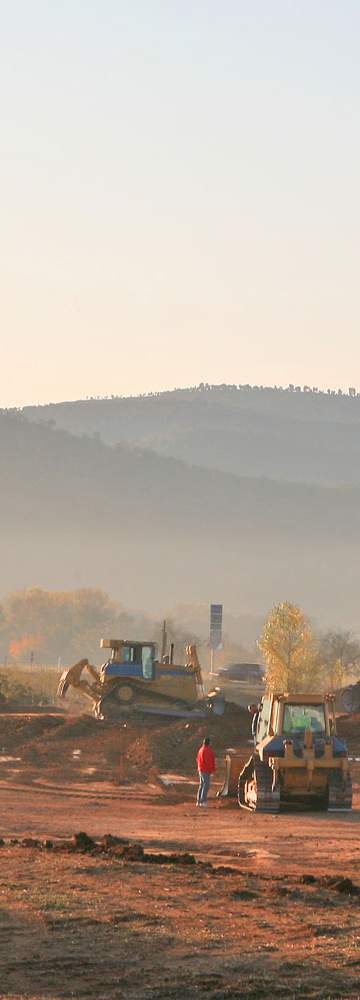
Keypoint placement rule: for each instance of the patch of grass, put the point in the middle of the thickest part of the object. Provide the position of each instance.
(56, 902)
(34, 685)
(37, 686)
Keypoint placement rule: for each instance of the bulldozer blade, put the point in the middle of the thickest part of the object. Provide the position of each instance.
(200, 710)
(70, 677)
(234, 762)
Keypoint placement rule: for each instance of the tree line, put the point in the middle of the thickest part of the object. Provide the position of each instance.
(58, 627)
(39, 626)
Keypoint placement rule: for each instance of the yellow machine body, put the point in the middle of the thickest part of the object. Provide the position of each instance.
(133, 679)
(298, 757)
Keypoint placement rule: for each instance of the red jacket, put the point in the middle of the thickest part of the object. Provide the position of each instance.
(205, 759)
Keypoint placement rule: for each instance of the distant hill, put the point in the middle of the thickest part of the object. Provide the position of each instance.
(155, 532)
(272, 433)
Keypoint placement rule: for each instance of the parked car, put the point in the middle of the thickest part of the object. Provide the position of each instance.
(242, 672)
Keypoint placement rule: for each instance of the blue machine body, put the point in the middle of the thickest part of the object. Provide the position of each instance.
(116, 668)
(274, 746)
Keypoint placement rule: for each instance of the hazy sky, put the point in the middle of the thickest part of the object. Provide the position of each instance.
(179, 194)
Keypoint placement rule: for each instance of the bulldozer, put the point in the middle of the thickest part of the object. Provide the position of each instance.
(134, 680)
(298, 759)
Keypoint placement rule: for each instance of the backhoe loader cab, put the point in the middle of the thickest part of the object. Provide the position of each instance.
(298, 758)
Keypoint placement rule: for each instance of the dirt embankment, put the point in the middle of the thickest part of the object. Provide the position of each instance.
(116, 751)
(135, 750)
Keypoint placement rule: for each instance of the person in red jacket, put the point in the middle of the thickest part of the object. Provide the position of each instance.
(205, 762)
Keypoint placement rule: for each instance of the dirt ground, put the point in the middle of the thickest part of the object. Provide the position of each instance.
(260, 906)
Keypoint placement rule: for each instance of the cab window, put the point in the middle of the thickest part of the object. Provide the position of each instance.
(147, 656)
(297, 718)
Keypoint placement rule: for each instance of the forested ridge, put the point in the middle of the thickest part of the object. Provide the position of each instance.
(154, 531)
(301, 436)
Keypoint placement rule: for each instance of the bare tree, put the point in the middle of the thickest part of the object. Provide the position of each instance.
(340, 656)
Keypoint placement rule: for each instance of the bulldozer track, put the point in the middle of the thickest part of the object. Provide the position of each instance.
(340, 791)
(137, 688)
(149, 702)
(256, 785)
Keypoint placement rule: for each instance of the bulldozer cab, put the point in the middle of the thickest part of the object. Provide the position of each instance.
(289, 716)
(130, 659)
(297, 718)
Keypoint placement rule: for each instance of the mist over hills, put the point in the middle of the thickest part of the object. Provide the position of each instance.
(155, 531)
(306, 436)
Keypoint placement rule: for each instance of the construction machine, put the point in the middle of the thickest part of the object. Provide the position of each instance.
(297, 759)
(134, 680)
(347, 699)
